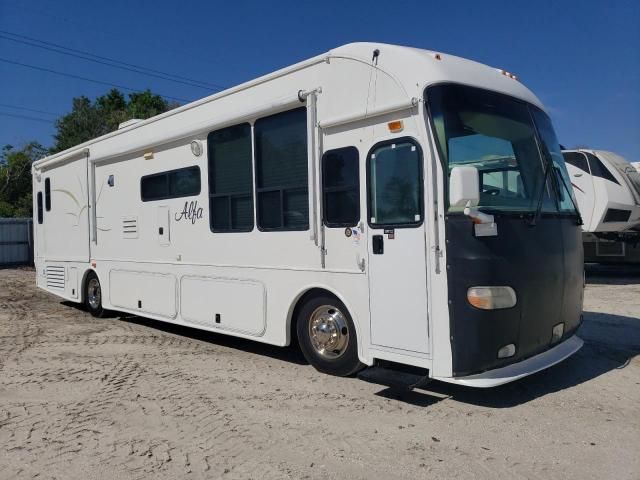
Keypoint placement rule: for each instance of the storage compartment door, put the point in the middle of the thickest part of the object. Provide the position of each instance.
(145, 292)
(228, 304)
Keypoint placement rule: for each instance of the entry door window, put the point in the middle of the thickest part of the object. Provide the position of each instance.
(395, 184)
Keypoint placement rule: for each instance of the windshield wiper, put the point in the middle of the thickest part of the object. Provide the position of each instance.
(536, 215)
(534, 218)
(575, 207)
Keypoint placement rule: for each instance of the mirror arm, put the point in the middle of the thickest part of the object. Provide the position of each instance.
(476, 215)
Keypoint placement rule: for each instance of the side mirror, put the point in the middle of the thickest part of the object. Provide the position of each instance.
(464, 187)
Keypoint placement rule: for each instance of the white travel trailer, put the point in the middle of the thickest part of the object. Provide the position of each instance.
(607, 189)
(375, 202)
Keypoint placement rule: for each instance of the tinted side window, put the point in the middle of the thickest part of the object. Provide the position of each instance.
(395, 185)
(598, 169)
(39, 207)
(230, 179)
(47, 194)
(281, 171)
(340, 187)
(576, 159)
(184, 182)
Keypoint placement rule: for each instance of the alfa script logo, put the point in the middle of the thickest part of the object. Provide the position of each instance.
(191, 211)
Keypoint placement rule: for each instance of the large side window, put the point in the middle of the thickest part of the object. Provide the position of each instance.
(281, 171)
(395, 184)
(230, 179)
(47, 194)
(183, 182)
(598, 169)
(39, 207)
(340, 187)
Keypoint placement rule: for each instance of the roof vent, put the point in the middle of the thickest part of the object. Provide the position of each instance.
(128, 123)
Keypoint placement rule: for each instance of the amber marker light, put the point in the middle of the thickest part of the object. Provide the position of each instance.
(395, 126)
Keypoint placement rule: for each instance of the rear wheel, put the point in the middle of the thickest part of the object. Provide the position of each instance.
(93, 296)
(327, 336)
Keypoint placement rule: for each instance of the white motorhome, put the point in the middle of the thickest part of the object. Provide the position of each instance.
(375, 202)
(607, 189)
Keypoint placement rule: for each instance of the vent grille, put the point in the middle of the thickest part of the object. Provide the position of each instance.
(129, 227)
(55, 277)
(606, 248)
(617, 215)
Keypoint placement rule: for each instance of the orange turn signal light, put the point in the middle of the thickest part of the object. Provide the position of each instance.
(480, 302)
(395, 126)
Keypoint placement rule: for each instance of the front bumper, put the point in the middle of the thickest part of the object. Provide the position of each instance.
(515, 371)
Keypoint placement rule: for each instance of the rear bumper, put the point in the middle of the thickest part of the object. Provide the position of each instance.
(515, 371)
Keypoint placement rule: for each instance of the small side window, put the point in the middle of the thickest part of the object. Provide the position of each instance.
(47, 194)
(341, 187)
(576, 159)
(39, 207)
(183, 182)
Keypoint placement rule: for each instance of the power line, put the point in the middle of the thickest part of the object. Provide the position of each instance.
(28, 109)
(91, 28)
(54, 47)
(25, 117)
(70, 75)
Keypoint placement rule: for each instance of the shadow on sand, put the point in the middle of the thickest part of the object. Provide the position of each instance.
(611, 341)
(598, 274)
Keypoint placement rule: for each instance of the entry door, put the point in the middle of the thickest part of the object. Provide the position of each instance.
(397, 257)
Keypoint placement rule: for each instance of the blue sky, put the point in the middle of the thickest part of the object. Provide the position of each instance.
(581, 58)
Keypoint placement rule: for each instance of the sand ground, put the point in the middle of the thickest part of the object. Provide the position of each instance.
(120, 398)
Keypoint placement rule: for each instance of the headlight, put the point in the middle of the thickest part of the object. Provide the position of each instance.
(491, 298)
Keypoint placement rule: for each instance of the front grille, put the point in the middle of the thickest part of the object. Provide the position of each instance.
(609, 249)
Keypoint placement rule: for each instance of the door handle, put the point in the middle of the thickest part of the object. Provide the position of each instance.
(378, 244)
(577, 174)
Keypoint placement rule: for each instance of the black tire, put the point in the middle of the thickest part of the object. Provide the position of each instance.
(331, 319)
(93, 296)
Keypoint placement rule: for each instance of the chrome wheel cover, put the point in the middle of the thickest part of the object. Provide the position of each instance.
(328, 332)
(94, 294)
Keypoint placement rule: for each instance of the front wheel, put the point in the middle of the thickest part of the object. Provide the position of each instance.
(93, 296)
(327, 336)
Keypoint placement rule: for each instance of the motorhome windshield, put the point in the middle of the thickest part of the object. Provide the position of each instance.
(510, 143)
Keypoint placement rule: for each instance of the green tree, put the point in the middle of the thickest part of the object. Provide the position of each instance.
(15, 179)
(89, 120)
